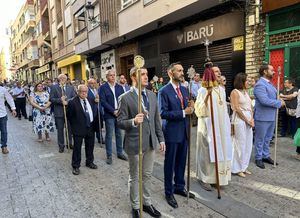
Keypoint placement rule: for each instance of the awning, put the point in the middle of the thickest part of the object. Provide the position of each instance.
(68, 61)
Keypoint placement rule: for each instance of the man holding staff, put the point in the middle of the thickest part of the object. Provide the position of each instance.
(129, 119)
(60, 94)
(174, 108)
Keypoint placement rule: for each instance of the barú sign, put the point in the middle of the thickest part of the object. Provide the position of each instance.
(222, 27)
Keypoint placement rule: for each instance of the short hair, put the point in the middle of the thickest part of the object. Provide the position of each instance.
(62, 75)
(263, 67)
(291, 80)
(109, 71)
(133, 71)
(172, 66)
(81, 86)
(239, 81)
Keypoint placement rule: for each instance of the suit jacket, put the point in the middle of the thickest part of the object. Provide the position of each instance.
(174, 125)
(55, 98)
(77, 118)
(92, 98)
(107, 99)
(266, 102)
(128, 109)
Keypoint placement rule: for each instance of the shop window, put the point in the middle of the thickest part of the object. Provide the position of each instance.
(295, 65)
(284, 20)
(80, 24)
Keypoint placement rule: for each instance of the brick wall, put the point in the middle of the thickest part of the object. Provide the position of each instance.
(255, 43)
(287, 37)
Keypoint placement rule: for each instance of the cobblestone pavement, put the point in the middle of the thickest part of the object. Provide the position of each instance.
(36, 181)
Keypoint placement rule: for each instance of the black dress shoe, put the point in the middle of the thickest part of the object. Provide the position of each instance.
(171, 201)
(184, 193)
(260, 164)
(136, 213)
(92, 166)
(122, 157)
(61, 150)
(76, 171)
(151, 210)
(269, 161)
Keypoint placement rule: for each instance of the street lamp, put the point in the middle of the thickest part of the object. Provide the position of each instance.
(90, 15)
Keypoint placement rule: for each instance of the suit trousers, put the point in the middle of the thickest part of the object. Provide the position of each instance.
(175, 160)
(133, 182)
(21, 107)
(264, 131)
(89, 141)
(60, 126)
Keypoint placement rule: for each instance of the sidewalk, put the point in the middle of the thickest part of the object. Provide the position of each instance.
(37, 181)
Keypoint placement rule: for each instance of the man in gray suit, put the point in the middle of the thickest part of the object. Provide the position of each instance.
(60, 94)
(128, 119)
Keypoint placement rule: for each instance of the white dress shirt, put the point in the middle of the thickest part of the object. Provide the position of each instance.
(4, 95)
(113, 89)
(17, 91)
(88, 107)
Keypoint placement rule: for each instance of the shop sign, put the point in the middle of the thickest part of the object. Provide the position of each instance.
(108, 61)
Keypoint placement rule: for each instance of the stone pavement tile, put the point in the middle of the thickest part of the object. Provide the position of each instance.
(290, 210)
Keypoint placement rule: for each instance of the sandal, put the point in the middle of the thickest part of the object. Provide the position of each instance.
(247, 172)
(241, 174)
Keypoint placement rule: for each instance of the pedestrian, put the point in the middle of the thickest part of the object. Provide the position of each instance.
(288, 114)
(174, 108)
(129, 120)
(223, 82)
(266, 104)
(195, 85)
(19, 95)
(5, 96)
(83, 122)
(93, 97)
(109, 94)
(61, 93)
(297, 155)
(243, 122)
(123, 83)
(41, 114)
(205, 153)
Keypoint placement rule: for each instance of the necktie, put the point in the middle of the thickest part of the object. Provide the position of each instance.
(145, 100)
(180, 97)
(87, 114)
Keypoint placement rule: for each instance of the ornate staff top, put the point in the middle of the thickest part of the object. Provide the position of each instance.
(139, 61)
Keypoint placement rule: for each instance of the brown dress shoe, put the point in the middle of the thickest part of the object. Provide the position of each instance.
(5, 150)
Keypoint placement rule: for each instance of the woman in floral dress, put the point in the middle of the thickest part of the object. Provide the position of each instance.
(42, 119)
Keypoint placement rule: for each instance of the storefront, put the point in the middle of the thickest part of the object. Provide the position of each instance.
(74, 67)
(227, 49)
(43, 72)
(283, 40)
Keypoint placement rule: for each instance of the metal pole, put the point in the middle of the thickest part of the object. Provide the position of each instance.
(277, 112)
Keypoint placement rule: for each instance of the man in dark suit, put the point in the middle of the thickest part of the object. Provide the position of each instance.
(129, 119)
(60, 93)
(83, 123)
(93, 97)
(109, 94)
(174, 108)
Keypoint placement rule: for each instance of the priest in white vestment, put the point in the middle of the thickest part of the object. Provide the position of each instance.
(205, 158)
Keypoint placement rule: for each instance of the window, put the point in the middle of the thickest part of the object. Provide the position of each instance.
(69, 33)
(146, 2)
(285, 20)
(79, 21)
(126, 3)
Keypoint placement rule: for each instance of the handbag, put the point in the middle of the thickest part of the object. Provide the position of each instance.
(297, 138)
(291, 112)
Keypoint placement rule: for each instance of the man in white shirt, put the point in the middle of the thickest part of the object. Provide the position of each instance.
(4, 95)
(20, 100)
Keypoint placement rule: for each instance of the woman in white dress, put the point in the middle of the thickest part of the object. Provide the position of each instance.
(242, 119)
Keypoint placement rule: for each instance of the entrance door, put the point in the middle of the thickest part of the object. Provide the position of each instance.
(126, 65)
(276, 60)
(294, 64)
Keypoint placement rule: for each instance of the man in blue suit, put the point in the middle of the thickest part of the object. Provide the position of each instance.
(109, 94)
(123, 83)
(93, 97)
(174, 108)
(266, 104)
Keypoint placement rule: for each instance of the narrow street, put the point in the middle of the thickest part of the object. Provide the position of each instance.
(36, 181)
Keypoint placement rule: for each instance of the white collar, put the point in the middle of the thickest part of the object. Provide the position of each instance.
(174, 86)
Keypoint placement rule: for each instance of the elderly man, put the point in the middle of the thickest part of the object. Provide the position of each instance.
(60, 94)
(109, 94)
(93, 97)
(129, 120)
(83, 123)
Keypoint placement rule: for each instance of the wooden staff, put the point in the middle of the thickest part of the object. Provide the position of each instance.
(215, 145)
(277, 111)
(139, 63)
(65, 119)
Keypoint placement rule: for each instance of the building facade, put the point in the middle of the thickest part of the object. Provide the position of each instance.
(23, 43)
(3, 75)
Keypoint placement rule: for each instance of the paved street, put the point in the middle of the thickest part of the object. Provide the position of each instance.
(36, 181)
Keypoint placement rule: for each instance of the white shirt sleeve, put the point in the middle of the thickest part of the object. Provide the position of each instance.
(9, 100)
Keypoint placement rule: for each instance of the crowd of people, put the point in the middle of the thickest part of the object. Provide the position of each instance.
(80, 112)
